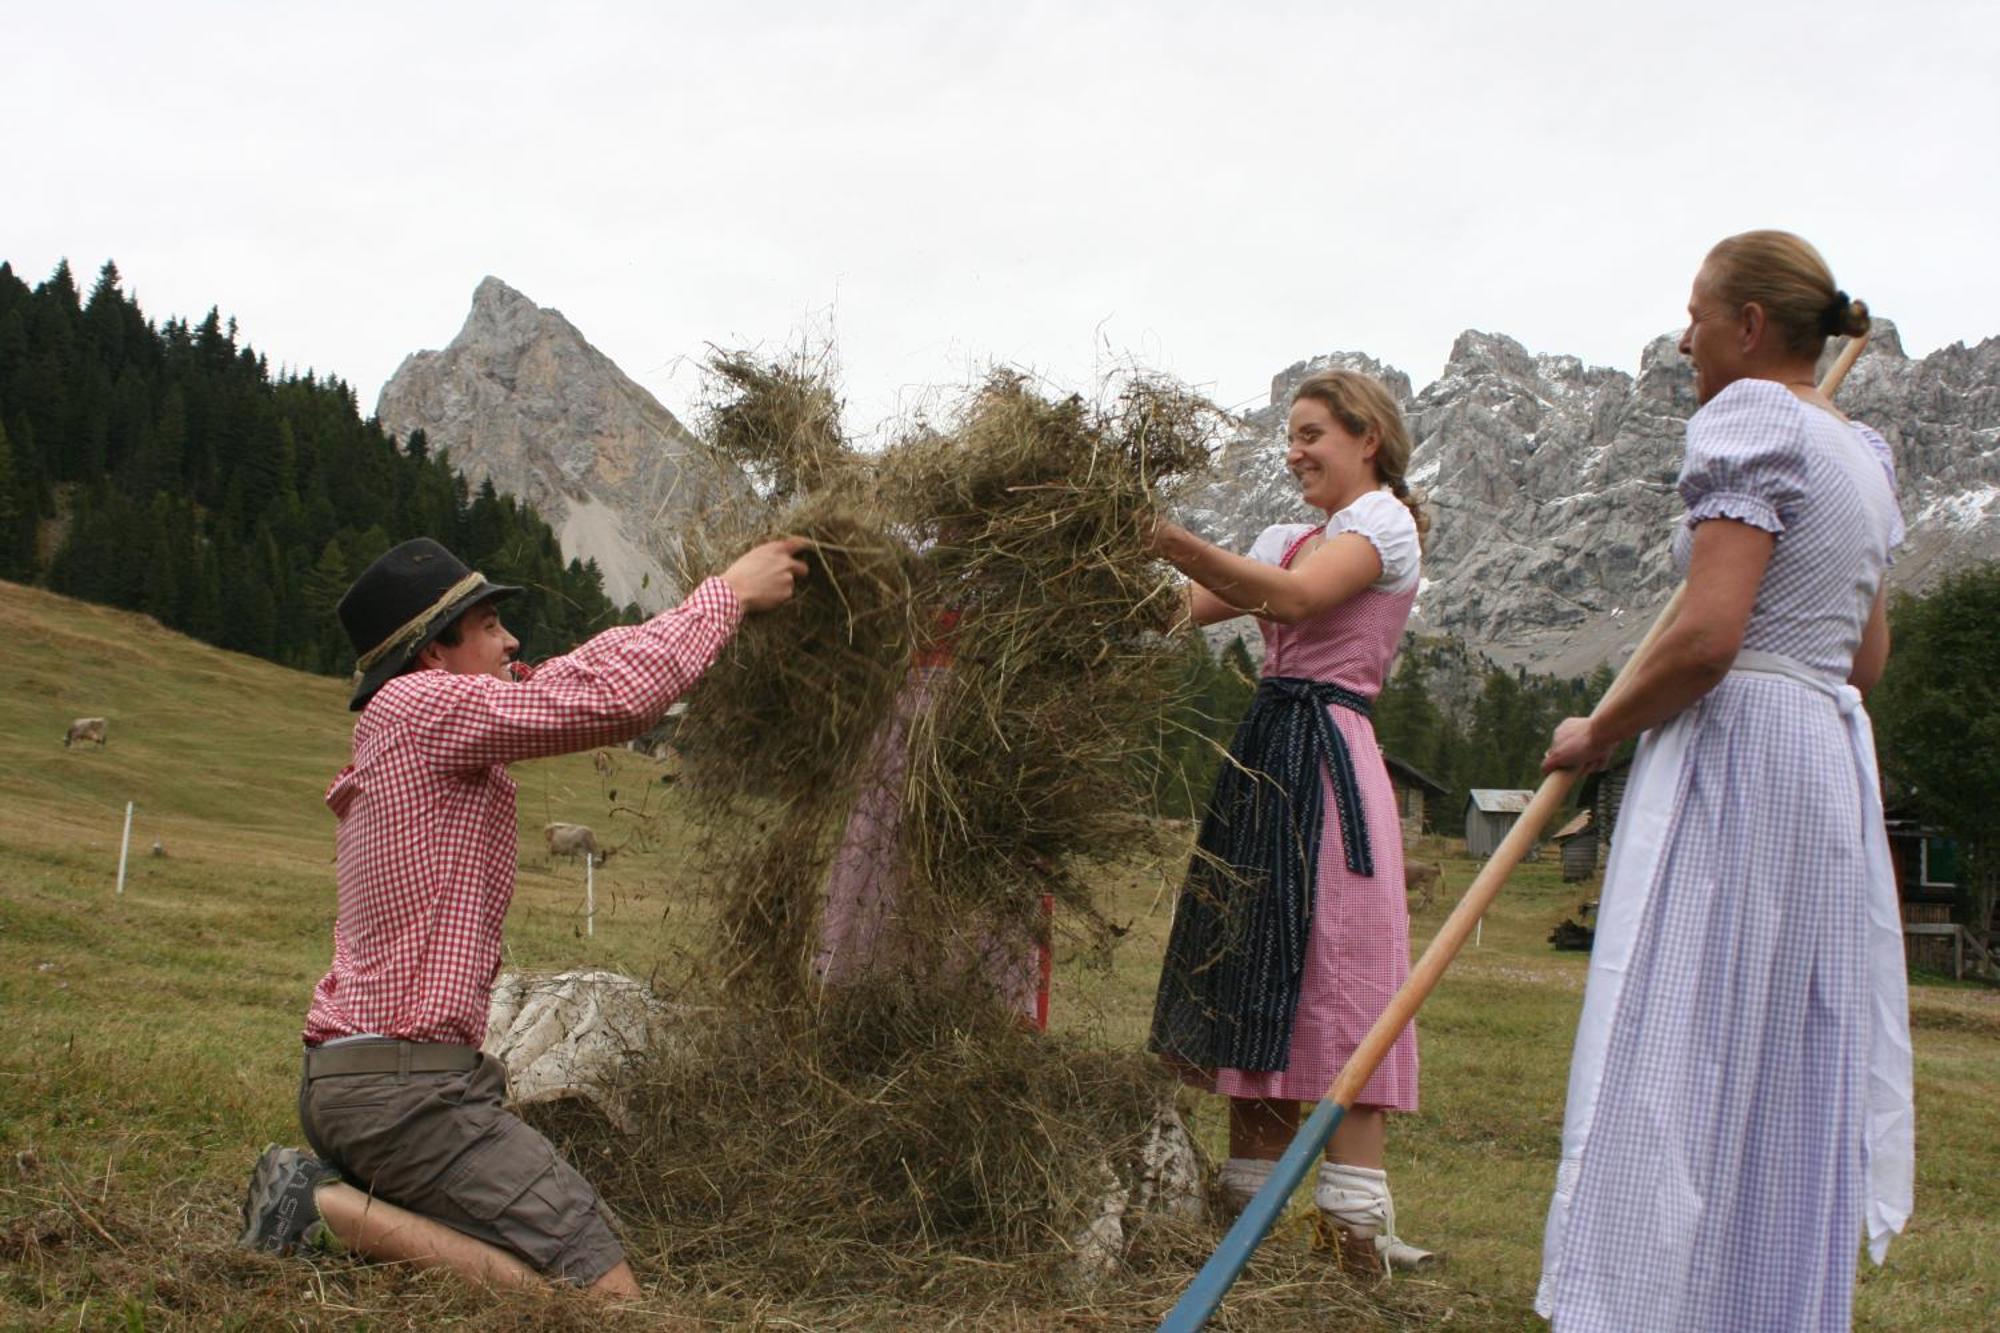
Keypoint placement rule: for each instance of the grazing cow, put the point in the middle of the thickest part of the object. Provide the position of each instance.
(602, 762)
(84, 729)
(569, 839)
(1422, 881)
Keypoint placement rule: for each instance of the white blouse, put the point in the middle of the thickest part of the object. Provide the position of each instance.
(1380, 517)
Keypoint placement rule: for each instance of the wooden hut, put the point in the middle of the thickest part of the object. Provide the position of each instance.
(1415, 791)
(1578, 842)
(1489, 813)
(1926, 864)
(1602, 793)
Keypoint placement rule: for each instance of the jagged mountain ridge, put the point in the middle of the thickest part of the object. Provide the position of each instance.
(1552, 482)
(520, 397)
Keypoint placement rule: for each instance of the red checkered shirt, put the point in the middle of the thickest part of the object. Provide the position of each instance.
(426, 849)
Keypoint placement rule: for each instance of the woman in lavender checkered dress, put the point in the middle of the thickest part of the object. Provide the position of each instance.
(1739, 1106)
(1291, 932)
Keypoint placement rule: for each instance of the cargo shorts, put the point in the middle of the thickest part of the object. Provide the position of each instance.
(444, 1145)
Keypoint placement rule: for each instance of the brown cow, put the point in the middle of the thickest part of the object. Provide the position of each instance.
(602, 762)
(84, 729)
(1423, 881)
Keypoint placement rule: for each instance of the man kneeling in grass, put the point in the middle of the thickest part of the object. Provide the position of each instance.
(418, 1160)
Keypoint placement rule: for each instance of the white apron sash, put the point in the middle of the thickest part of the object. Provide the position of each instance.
(1630, 878)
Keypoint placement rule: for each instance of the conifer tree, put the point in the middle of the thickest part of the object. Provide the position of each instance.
(1937, 719)
(103, 320)
(324, 587)
(204, 616)
(12, 564)
(194, 486)
(170, 440)
(161, 598)
(1406, 721)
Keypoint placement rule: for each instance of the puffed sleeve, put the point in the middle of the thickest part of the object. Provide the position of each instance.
(1746, 456)
(1274, 541)
(1385, 521)
(1880, 448)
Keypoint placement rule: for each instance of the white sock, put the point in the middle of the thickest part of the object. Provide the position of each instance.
(1241, 1178)
(1355, 1197)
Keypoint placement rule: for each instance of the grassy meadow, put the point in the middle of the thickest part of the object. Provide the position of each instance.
(148, 1041)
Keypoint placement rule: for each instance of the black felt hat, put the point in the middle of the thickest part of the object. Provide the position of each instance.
(402, 602)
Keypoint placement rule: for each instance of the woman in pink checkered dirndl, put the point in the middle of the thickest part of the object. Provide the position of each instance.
(1291, 932)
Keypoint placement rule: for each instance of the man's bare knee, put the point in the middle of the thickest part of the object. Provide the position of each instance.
(619, 1283)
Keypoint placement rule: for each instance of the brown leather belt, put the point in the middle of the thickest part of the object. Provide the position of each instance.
(388, 1057)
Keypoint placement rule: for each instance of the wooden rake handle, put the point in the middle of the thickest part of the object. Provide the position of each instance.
(1485, 887)
(1843, 363)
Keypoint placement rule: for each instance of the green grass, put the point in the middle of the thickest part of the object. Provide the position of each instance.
(148, 1042)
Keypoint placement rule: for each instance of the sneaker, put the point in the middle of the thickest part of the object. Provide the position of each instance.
(279, 1215)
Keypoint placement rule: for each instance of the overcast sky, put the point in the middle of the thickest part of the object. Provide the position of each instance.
(1213, 190)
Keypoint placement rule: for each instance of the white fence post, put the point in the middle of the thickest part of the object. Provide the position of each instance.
(124, 846)
(589, 894)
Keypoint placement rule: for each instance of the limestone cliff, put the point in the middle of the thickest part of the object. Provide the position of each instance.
(520, 397)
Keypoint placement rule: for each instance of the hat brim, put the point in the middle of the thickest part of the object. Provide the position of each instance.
(394, 664)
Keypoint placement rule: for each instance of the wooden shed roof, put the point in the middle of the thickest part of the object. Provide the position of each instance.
(1412, 776)
(1500, 800)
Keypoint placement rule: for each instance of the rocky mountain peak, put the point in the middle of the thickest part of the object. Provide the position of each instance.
(521, 398)
(497, 307)
(492, 293)
(1288, 379)
(1476, 353)
(1884, 341)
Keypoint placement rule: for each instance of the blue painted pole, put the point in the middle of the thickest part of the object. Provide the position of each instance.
(1198, 1302)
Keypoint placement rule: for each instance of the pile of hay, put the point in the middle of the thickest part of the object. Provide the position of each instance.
(1041, 511)
(893, 1125)
(896, 1158)
(962, 695)
(779, 421)
(1010, 544)
(777, 736)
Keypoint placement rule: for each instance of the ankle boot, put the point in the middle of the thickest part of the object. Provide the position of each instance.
(1239, 1180)
(1354, 1206)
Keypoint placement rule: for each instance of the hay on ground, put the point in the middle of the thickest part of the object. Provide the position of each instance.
(894, 1158)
